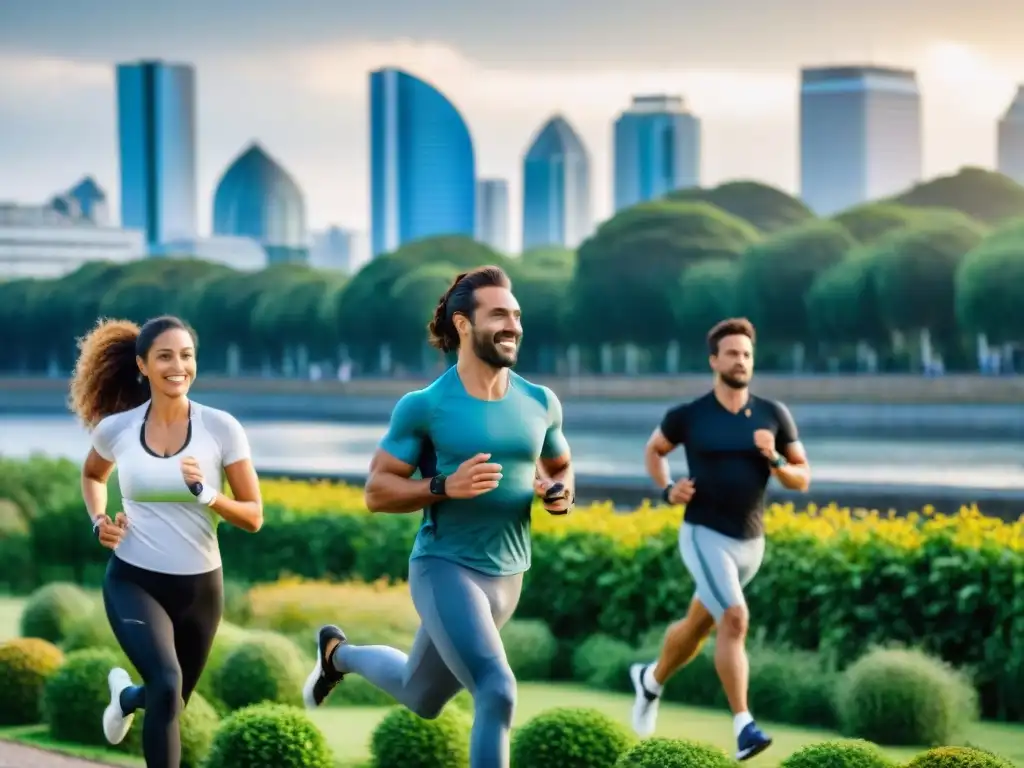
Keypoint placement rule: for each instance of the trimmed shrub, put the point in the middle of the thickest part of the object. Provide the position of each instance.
(405, 740)
(75, 696)
(603, 662)
(198, 723)
(792, 687)
(269, 736)
(52, 610)
(91, 630)
(569, 737)
(25, 665)
(899, 697)
(356, 691)
(530, 647)
(838, 754)
(263, 667)
(228, 638)
(674, 753)
(697, 683)
(958, 757)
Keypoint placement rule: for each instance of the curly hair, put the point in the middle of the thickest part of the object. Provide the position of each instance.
(460, 299)
(106, 379)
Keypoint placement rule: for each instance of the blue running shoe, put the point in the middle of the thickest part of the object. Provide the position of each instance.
(752, 741)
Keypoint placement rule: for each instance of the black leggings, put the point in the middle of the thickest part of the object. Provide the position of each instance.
(165, 625)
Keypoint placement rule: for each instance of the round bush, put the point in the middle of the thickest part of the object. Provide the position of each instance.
(356, 691)
(263, 667)
(25, 666)
(269, 736)
(958, 757)
(530, 647)
(228, 638)
(91, 630)
(405, 740)
(603, 662)
(838, 754)
(570, 737)
(75, 696)
(51, 610)
(198, 723)
(902, 697)
(674, 753)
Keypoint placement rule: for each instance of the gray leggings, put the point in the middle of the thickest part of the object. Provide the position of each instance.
(457, 646)
(721, 566)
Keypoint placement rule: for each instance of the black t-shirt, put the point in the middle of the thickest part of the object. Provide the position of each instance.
(729, 473)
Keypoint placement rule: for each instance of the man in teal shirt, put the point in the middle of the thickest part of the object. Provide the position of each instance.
(485, 442)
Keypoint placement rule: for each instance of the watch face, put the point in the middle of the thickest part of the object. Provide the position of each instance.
(196, 488)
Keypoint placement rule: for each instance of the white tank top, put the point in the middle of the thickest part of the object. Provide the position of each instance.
(168, 530)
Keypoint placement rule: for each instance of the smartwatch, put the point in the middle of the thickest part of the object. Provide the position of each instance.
(666, 491)
(437, 484)
(779, 461)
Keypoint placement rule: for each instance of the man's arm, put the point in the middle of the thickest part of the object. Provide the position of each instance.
(389, 486)
(555, 462)
(663, 440)
(795, 474)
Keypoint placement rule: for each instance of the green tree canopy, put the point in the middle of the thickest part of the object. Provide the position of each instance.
(869, 222)
(776, 274)
(412, 300)
(915, 274)
(139, 298)
(984, 195)
(707, 294)
(287, 313)
(990, 289)
(767, 208)
(554, 260)
(842, 303)
(628, 272)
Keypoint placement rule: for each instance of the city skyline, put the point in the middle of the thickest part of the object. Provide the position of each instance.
(310, 102)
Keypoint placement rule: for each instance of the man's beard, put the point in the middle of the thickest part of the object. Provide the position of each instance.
(732, 382)
(486, 348)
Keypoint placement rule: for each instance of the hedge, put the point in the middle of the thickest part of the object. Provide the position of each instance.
(834, 581)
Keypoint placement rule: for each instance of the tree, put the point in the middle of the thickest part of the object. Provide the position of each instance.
(543, 296)
(767, 208)
(628, 272)
(776, 274)
(869, 222)
(285, 319)
(412, 301)
(708, 293)
(984, 195)
(842, 303)
(990, 289)
(138, 299)
(553, 260)
(915, 275)
(18, 305)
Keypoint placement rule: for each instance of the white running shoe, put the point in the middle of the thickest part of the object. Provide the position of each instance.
(115, 723)
(645, 708)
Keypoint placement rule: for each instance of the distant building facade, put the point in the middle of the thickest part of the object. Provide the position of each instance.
(556, 188)
(422, 163)
(492, 214)
(657, 150)
(1010, 140)
(860, 135)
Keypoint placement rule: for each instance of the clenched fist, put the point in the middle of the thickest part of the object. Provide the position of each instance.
(110, 532)
(764, 439)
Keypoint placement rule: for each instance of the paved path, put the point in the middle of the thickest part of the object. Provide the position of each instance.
(19, 756)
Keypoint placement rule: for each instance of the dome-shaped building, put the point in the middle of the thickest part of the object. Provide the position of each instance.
(258, 198)
(556, 187)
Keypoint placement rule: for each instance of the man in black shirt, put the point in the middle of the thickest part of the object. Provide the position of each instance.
(734, 443)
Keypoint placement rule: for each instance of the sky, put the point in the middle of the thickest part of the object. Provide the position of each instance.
(294, 76)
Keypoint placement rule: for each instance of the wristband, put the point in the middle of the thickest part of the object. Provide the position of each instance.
(666, 491)
(204, 495)
(779, 461)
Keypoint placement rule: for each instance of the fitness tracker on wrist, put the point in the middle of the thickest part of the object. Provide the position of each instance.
(437, 483)
(203, 494)
(779, 461)
(666, 491)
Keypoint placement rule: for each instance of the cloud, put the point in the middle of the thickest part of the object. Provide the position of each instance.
(32, 76)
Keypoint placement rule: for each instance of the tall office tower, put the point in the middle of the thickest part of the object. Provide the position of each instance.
(657, 149)
(1011, 140)
(156, 118)
(860, 135)
(492, 213)
(422, 166)
(556, 188)
(258, 199)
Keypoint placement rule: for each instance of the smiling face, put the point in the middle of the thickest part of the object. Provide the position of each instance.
(170, 364)
(496, 329)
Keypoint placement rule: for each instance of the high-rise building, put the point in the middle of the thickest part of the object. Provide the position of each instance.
(1011, 140)
(338, 249)
(86, 201)
(422, 165)
(556, 188)
(860, 135)
(492, 213)
(257, 198)
(657, 149)
(156, 117)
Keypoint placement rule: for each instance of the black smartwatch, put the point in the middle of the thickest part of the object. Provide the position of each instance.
(779, 461)
(437, 484)
(666, 491)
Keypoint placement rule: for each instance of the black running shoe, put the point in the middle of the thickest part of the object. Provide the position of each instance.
(324, 677)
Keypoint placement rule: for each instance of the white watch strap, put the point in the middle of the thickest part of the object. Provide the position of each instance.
(207, 496)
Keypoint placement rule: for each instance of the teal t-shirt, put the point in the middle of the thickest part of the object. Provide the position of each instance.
(437, 428)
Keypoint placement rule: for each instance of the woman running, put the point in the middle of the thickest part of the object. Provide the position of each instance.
(163, 589)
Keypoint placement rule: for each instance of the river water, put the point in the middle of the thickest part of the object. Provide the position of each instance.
(333, 448)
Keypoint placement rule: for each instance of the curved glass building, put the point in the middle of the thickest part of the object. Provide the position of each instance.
(556, 187)
(422, 165)
(257, 198)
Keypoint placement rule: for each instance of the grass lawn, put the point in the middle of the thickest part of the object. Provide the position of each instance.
(10, 616)
(37, 736)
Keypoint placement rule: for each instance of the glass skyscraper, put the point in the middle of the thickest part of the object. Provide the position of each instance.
(156, 120)
(257, 198)
(556, 188)
(422, 165)
(1010, 142)
(492, 214)
(860, 135)
(657, 150)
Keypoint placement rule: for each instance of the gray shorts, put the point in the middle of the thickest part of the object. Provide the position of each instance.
(720, 565)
